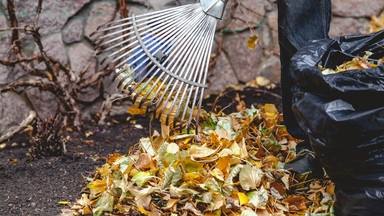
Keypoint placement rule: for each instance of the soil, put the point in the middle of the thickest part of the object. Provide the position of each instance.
(35, 187)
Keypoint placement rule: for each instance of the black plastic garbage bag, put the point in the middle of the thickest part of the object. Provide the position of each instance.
(343, 115)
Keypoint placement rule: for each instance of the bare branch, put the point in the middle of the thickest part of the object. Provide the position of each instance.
(30, 82)
(15, 61)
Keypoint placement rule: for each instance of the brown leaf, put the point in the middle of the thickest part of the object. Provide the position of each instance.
(171, 204)
(298, 201)
(144, 162)
(241, 104)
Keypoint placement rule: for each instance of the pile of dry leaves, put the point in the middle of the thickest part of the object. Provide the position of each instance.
(234, 166)
(356, 63)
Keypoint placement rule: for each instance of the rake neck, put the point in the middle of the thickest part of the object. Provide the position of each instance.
(214, 8)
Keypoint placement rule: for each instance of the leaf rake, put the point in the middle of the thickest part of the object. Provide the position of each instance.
(161, 59)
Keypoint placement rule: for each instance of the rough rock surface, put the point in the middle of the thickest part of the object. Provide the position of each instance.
(43, 102)
(221, 76)
(357, 8)
(101, 12)
(347, 26)
(53, 47)
(81, 56)
(4, 53)
(54, 13)
(73, 31)
(236, 45)
(251, 12)
(13, 110)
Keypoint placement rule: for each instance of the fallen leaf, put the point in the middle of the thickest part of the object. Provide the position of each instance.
(242, 198)
(172, 148)
(259, 198)
(200, 151)
(250, 177)
(252, 41)
(145, 161)
(171, 204)
(137, 111)
(248, 213)
(298, 201)
(104, 204)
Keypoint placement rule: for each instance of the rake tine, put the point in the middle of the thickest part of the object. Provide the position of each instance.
(200, 76)
(188, 98)
(206, 55)
(162, 74)
(153, 23)
(177, 74)
(149, 15)
(183, 51)
(154, 20)
(198, 61)
(115, 24)
(191, 58)
(127, 53)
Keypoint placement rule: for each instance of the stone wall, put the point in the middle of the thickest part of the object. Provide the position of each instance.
(66, 25)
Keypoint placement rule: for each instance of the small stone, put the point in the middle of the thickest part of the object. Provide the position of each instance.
(347, 26)
(13, 110)
(244, 60)
(81, 56)
(270, 68)
(252, 11)
(14, 144)
(221, 76)
(54, 14)
(53, 47)
(73, 31)
(44, 102)
(357, 8)
(101, 12)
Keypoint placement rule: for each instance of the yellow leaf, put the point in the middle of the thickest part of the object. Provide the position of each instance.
(96, 184)
(141, 178)
(172, 148)
(243, 149)
(136, 111)
(49, 76)
(200, 151)
(217, 173)
(235, 148)
(142, 210)
(252, 41)
(242, 198)
(270, 110)
(87, 211)
(64, 202)
(192, 177)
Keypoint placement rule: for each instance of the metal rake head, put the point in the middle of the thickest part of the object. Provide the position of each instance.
(161, 58)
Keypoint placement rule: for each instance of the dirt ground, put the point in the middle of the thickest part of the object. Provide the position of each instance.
(35, 187)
